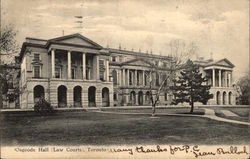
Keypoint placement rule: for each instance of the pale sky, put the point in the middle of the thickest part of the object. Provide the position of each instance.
(220, 27)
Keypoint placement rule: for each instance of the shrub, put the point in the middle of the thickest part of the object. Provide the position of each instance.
(43, 107)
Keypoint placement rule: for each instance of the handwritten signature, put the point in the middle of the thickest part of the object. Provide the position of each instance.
(172, 150)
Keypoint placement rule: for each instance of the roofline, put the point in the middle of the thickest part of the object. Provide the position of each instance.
(72, 35)
(35, 39)
(112, 50)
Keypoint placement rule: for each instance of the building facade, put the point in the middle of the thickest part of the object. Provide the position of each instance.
(73, 71)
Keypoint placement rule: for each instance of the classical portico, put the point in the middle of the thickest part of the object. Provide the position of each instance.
(76, 76)
(220, 75)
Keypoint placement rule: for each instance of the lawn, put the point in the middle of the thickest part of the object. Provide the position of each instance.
(169, 110)
(78, 128)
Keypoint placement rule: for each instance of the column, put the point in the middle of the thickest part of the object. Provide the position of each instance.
(97, 68)
(213, 77)
(127, 77)
(69, 65)
(135, 82)
(107, 70)
(229, 79)
(53, 63)
(84, 66)
(120, 77)
(143, 80)
(219, 77)
(226, 76)
(123, 77)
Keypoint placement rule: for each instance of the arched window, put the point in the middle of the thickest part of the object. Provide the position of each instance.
(77, 96)
(91, 96)
(38, 93)
(62, 96)
(105, 97)
(230, 98)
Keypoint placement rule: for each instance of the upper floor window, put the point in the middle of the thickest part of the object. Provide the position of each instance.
(37, 71)
(36, 57)
(57, 72)
(166, 96)
(101, 69)
(114, 74)
(113, 58)
(73, 74)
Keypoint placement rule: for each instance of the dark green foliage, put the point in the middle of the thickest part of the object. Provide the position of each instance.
(243, 86)
(42, 107)
(190, 86)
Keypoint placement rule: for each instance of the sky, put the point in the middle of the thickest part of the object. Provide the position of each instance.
(219, 28)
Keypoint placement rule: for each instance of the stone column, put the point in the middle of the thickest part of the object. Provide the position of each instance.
(69, 65)
(95, 70)
(85, 98)
(127, 77)
(53, 63)
(107, 70)
(226, 76)
(213, 76)
(135, 82)
(120, 77)
(84, 66)
(143, 80)
(219, 77)
(123, 77)
(229, 79)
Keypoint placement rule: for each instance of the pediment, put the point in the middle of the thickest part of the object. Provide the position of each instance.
(76, 39)
(224, 62)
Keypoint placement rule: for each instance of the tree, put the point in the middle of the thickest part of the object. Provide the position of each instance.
(166, 69)
(190, 86)
(243, 90)
(8, 48)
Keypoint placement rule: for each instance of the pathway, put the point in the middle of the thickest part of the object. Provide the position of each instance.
(209, 113)
(229, 113)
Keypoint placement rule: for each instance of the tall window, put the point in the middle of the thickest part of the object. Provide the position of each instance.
(36, 71)
(166, 96)
(114, 74)
(157, 80)
(57, 72)
(36, 57)
(115, 97)
(73, 73)
(102, 69)
(130, 78)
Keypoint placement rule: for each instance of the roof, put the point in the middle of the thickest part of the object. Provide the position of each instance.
(222, 62)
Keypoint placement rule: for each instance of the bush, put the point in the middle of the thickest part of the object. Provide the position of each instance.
(42, 107)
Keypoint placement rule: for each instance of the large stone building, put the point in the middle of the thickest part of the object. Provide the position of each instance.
(73, 71)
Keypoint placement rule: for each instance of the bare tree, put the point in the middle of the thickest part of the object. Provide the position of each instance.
(8, 44)
(167, 67)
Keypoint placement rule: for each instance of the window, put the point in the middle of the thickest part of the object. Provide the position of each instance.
(101, 69)
(166, 96)
(115, 97)
(57, 72)
(36, 71)
(73, 73)
(113, 59)
(157, 80)
(130, 78)
(36, 57)
(114, 75)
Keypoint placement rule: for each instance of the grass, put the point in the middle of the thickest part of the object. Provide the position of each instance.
(169, 110)
(81, 128)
